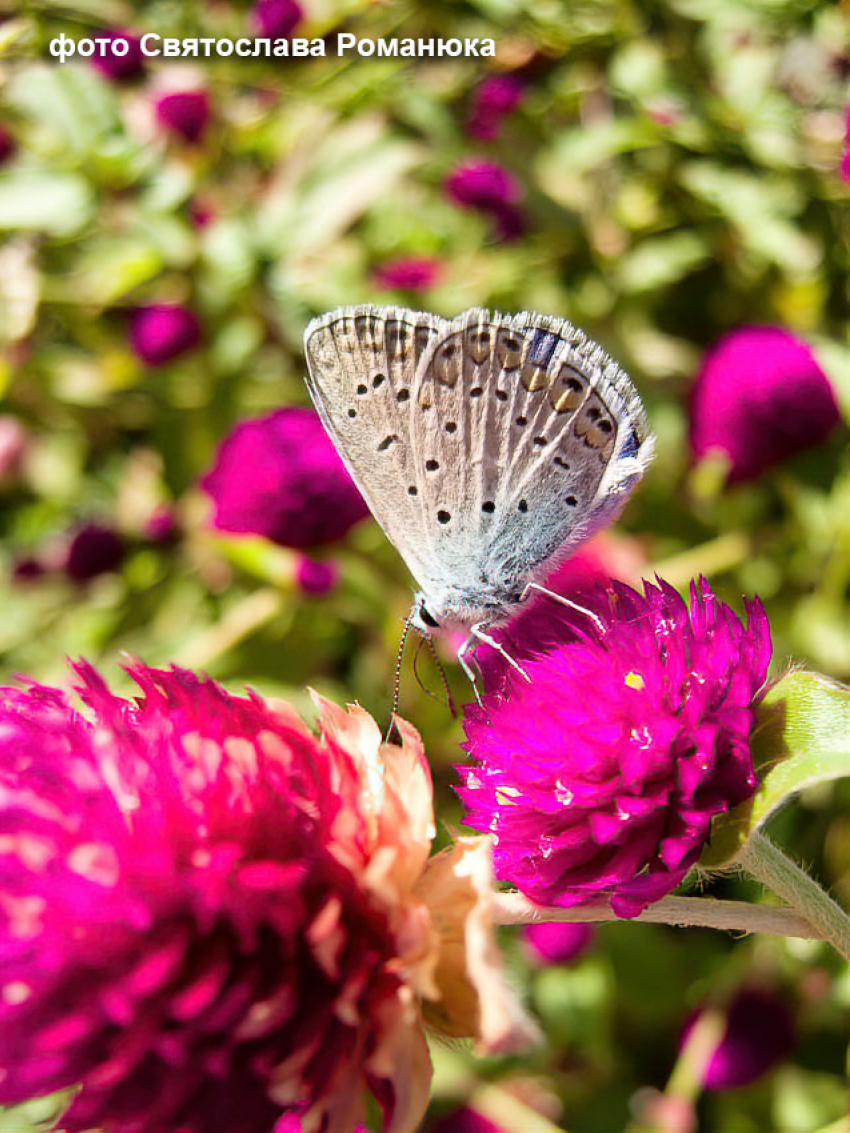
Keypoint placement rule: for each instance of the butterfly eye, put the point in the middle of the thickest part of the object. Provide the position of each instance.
(426, 617)
(508, 349)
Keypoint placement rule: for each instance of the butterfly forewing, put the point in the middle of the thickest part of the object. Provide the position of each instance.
(362, 364)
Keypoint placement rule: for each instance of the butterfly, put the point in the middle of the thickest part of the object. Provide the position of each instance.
(488, 447)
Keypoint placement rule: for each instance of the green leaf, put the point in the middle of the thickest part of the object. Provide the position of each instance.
(802, 737)
(56, 203)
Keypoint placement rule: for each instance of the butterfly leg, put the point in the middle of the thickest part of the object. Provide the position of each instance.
(597, 621)
(477, 632)
(466, 649)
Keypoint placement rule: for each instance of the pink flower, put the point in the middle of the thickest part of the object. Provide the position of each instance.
(496, 97)
(491, 189)
(408, 273)
(316, 577)
(281, 477)
(161, 332)
(759, 397)
(601, 775)
(845, 160)
(185, 113)
(541, 620)
(276, 19)
(94, 549)
(123, 59)
(211, 918)
(758, 1033)
(553, 942)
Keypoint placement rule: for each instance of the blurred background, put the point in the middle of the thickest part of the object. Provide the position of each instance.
(672, 176)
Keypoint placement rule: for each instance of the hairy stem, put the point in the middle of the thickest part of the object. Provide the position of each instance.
(705, 912)
(776, 871)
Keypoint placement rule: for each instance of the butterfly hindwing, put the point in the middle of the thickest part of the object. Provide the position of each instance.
(529, 422)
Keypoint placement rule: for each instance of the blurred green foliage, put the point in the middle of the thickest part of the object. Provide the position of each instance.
(679, 160)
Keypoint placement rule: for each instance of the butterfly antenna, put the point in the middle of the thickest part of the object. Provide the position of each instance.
(449, 697)
(399, 662)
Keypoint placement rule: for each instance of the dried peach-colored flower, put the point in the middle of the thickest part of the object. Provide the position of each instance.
(212, 919)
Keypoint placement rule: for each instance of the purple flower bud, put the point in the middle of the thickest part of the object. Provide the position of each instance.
(465, 1119)
(759, 397)
(93, 550)
(162, 331)
(186, 113)
(496, 97)
(483, 185)
(410, 273)
(120, 68)
(552, 943)
(281, 477)
(315, 576)
(601, 774)
(7, 145)
(488, 188)
(759, 1033)
(276, 19)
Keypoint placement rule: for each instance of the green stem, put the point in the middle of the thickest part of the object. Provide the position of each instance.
(776, 871)
(704, 912)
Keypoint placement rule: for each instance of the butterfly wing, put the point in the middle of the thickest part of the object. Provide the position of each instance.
(362, 364)
(488, 447)
(535, 439)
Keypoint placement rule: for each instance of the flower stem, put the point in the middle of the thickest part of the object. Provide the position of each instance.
(705, 912)
(775, 870)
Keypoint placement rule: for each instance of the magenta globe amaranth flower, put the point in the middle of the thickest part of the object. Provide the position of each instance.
(161, 332)
(121, 60)
(211, 917)
(759, 397)
(408, 273)
(93, 549)
(316, 576)
(758, 1033)
(601, 774)
(488, 188)
(280, 476)
(276, 19)
(185, 113)
(556, 942)
(496, 97)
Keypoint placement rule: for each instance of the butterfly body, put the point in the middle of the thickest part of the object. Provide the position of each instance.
(488, 447)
